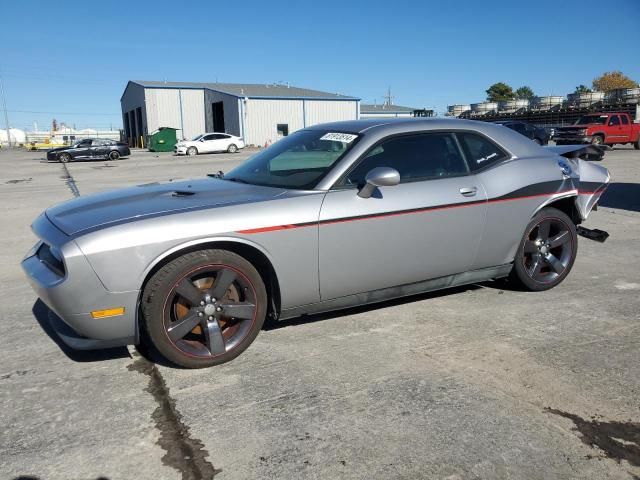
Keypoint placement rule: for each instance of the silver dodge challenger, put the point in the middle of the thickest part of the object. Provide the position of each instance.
(332, 216)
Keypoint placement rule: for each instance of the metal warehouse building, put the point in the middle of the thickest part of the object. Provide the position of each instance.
(386, 110)
(258, 113)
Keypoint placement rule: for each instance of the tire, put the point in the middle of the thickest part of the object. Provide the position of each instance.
(64, 158)
(173, 300)
(538, 141)
(232, 148)
(637, 144)
(538, 264)
(114, 155)
(597, 140)
(192, 151)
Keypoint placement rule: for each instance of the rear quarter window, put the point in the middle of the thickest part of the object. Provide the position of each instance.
(480, 151)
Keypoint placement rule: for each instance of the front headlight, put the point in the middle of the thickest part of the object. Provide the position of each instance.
(582, 131)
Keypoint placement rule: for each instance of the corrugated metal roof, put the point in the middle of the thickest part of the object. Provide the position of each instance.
(251, 90)
(368, 108)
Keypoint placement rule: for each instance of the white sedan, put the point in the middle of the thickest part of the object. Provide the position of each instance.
(208, 143)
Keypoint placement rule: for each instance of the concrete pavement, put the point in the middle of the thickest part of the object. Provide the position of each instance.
(475, 382)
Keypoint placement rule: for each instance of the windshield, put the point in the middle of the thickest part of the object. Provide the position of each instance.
(196, 138)
(298, 161)
(591, 119)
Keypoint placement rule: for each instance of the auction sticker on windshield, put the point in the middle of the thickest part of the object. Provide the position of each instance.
(339, 137)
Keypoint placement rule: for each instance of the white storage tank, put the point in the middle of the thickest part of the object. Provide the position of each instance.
(458, 109)
(513, 105)
(546, 103)
(483, 108)
(585, 99)
(623, 95)
(18, 137)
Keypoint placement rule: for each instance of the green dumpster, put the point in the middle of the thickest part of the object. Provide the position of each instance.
(162, 140)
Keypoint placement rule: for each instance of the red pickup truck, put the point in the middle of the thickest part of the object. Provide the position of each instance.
(600, 129)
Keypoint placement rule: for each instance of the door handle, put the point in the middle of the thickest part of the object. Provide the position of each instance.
(468, 191)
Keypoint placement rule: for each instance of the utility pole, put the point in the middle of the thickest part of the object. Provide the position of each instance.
(6, 115)
(388, 98)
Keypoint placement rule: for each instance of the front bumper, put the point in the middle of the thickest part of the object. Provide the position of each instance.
(180, 150)
(75, 293)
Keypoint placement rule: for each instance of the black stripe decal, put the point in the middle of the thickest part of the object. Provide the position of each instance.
(535, 190)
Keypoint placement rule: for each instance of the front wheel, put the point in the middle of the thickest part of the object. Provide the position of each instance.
(192, 151)
(538, 141)
(114, 155)
(546, 252)
(204, 308)
(64, 158)
(597, 140)
(637, 144)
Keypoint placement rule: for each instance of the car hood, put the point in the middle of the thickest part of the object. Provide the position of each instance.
(58, 149)
(573, 127)
(143, 201)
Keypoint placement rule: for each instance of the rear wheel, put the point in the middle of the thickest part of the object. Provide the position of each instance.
(204, 308)
(232, 148)
(114, 155)
(191, 151)
(64, 157)
(547, 251)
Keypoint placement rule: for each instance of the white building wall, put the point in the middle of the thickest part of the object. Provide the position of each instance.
(175, 108)
(322, 111)
(193, 116)
(261, 118)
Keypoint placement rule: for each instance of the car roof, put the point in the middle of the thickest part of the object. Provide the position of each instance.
(517, 144)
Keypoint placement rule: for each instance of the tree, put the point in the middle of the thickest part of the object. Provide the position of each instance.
(525, 93)
(499, 91)
(612, 80)
(582, 89)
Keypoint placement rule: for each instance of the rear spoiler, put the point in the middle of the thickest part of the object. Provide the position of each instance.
(585, 152)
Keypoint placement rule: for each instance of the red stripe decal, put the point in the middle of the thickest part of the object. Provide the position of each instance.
(395, 214)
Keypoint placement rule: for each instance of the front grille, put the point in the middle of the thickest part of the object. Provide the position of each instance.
(567, 133)
(52, 263)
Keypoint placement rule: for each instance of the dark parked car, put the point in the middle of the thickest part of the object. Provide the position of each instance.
(537, 134)
(90, 149)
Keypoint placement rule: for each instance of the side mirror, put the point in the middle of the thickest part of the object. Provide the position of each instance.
(379, 177)
(202, 139)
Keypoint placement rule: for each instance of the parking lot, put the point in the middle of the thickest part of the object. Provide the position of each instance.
(479, 382)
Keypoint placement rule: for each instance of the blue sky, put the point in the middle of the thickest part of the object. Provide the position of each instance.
(71, 60)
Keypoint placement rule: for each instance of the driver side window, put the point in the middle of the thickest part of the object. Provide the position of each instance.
(416, 157)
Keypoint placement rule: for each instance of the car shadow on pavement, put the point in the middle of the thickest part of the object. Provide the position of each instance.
(625, 196)
(316, 317)
(41, 313)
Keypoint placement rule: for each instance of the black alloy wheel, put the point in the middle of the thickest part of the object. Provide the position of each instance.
(547, 251)
(204, 308)
(114, 155)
